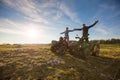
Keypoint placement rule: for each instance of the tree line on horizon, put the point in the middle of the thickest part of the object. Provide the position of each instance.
(102, 41)
(108, 41)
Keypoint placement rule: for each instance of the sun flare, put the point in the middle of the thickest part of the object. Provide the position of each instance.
(32, 33)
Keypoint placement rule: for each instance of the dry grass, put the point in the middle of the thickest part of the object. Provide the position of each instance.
(39, 63)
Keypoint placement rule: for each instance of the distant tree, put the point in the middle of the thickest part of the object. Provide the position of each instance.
(17, 45)
(109, 41)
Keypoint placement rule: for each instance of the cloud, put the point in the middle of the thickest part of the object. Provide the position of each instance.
(43, 11)
(11, 27)
(6, 22)
(10, 31)
(67, 11)
(102, 29)
(28, 8)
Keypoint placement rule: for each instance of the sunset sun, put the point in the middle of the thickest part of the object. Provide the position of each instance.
(32, 33)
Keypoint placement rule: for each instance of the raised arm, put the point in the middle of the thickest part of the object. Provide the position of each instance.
(62, 32)
(78, 29)
(71, 30)
(93, 24)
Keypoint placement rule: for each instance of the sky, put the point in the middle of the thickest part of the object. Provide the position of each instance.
(41, 21)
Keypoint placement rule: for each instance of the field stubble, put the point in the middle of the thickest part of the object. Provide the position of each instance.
(39, 63)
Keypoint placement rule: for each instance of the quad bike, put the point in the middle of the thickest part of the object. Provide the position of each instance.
(80, 48)
(83, 49)
(59, 47)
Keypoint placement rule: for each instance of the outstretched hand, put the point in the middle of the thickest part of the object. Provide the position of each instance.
(96, 21)
(74, 29)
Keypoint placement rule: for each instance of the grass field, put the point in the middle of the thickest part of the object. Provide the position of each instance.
(110, 50)
(35, 62)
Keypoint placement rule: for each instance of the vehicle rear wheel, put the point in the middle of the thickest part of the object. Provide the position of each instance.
(95, 51)
(62, 50)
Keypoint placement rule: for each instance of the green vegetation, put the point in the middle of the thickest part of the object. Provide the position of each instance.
(35, 62)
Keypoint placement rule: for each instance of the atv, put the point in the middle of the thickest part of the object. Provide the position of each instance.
(80, 48)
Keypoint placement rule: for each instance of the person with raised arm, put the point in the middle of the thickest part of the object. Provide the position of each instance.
(66, 32)
(85, 30)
